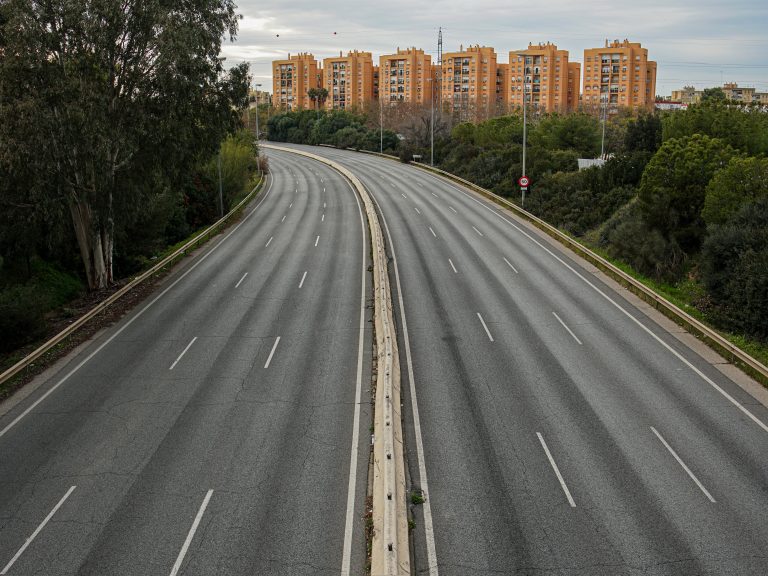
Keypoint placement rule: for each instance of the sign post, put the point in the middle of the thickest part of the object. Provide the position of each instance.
(524, 182)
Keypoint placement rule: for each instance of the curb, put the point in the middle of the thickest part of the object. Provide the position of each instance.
(390, 554)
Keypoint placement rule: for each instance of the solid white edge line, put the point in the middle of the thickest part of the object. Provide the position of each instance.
(37, 531)
(346, 559)
(272, 352)
(566, 327)
(433, 232)
(642, 326)
(429, 531)
(510, 265)
(269, 241)
(316, 241)
(476, 230)
(182, 353)
(191, 534)
(486, 327)
(133, 319)
(557, 471)
(452, 266)
(680, 461)
(241, 280)
(303, 277)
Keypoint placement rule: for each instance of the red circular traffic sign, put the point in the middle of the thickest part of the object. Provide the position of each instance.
(523, 181)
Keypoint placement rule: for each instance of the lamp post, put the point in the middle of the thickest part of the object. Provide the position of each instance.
(381, 120)
(257, 112)
(602, 140)
(525, 121)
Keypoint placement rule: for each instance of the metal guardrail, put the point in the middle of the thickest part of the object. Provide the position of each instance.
(730, 351)
(102, 306)
(720, 344)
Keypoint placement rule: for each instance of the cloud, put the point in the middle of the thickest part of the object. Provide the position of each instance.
(694, 41)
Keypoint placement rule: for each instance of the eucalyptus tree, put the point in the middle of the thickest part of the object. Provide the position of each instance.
(101, 100)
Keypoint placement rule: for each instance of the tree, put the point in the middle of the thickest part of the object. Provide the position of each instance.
(318, 96)
(744, 128)
(713, 95)
(643, 134)
(672, 189)
(734, 269)
(742, 181)
(578, 132)
(102, 97)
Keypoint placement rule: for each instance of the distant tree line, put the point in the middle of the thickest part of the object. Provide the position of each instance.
(112, 115)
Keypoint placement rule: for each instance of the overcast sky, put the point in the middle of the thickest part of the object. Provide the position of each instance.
(695, 42)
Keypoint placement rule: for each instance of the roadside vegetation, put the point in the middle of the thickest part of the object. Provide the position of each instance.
(112, 128)
(681, 202)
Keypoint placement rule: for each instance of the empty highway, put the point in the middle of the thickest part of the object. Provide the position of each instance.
(555, 428)
(222, 426)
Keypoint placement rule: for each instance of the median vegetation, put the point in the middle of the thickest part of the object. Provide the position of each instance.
(682, 200)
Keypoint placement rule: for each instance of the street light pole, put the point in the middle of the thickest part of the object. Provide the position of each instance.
(525, 121)
(381, 120)
(602, 140)
(257, 113)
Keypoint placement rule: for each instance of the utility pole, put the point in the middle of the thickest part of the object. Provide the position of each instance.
(525, 137)
(525, 119)
(602, 140)
(440, 67)
(257, 113)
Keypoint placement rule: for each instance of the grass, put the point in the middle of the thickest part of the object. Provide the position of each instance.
(684, 295)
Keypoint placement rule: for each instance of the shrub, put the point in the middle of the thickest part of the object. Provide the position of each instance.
(734, 269)
(21, 316)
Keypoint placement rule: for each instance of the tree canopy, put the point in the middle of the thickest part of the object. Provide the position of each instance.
(103, 102)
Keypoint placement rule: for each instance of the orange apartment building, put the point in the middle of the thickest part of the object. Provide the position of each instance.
(349, 80)
(574, 86)
(406, 76)
(546, 75)
(469, 80)
(502, 88)
(291, 79)
(620, 74)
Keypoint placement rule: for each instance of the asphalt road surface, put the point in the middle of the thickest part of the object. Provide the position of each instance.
(222, 427)
(558, 430)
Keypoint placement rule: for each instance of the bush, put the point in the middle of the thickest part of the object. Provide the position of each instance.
(21, 316)
(626, 237)
(734, 269)
(744, 180)
(673, 187)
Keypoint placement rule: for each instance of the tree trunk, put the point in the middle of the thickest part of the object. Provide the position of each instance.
(95, 242)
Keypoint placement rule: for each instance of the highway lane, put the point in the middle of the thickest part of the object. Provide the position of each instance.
(213, 431)
(564, 432)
